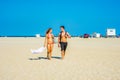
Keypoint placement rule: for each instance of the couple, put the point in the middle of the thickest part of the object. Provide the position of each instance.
(62, 41)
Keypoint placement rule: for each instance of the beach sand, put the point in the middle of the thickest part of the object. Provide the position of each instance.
(86, 59)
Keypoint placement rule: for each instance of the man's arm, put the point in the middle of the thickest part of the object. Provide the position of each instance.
(68, 35)
(59, 40)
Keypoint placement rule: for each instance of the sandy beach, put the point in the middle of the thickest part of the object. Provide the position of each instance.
(86, 59)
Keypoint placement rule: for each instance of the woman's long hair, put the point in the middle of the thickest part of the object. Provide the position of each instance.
(48, 30)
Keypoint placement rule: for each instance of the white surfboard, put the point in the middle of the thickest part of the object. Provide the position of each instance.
(40, 50)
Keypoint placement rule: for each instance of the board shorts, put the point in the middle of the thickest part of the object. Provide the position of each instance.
(63, 45)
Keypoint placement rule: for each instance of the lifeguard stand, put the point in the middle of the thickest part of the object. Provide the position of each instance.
(111, 32)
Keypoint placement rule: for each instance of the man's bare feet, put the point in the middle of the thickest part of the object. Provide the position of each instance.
(62, 55)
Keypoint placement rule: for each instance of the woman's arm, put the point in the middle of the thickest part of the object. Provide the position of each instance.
(52, 36)
(45, 42)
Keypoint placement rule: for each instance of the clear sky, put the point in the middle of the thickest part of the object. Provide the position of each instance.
(29, 17)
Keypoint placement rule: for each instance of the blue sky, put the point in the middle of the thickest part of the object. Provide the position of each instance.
(29, 17)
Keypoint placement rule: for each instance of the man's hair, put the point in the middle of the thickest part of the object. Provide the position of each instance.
(62, 27)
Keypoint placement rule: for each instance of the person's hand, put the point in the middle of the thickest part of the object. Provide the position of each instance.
(69, 36)
(45, 45)
(59, 45)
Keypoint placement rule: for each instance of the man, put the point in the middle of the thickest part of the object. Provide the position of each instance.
(62, 40)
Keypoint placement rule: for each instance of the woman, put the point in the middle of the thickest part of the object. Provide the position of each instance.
(62, 39)
(49, 42)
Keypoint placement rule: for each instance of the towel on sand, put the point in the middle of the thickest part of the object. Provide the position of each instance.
(38, 50)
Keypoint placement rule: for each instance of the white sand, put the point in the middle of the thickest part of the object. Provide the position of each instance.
(86, 59)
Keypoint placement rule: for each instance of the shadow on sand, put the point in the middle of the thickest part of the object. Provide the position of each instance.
(45, 58)
(56, 57)
(39, 58)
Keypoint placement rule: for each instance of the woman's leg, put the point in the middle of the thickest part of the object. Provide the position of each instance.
(51, 49)
(47, 54)
(48, 51)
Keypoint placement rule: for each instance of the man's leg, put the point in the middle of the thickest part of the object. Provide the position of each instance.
(65, 47)
(62, 54)
(62, 50)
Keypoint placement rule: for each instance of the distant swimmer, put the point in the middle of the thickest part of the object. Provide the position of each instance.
(62, 40)
(49, 42)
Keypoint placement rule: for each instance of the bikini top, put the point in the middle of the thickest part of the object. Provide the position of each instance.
(50, 36)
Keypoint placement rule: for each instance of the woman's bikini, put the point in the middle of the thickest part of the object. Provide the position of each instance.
(50, 36)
